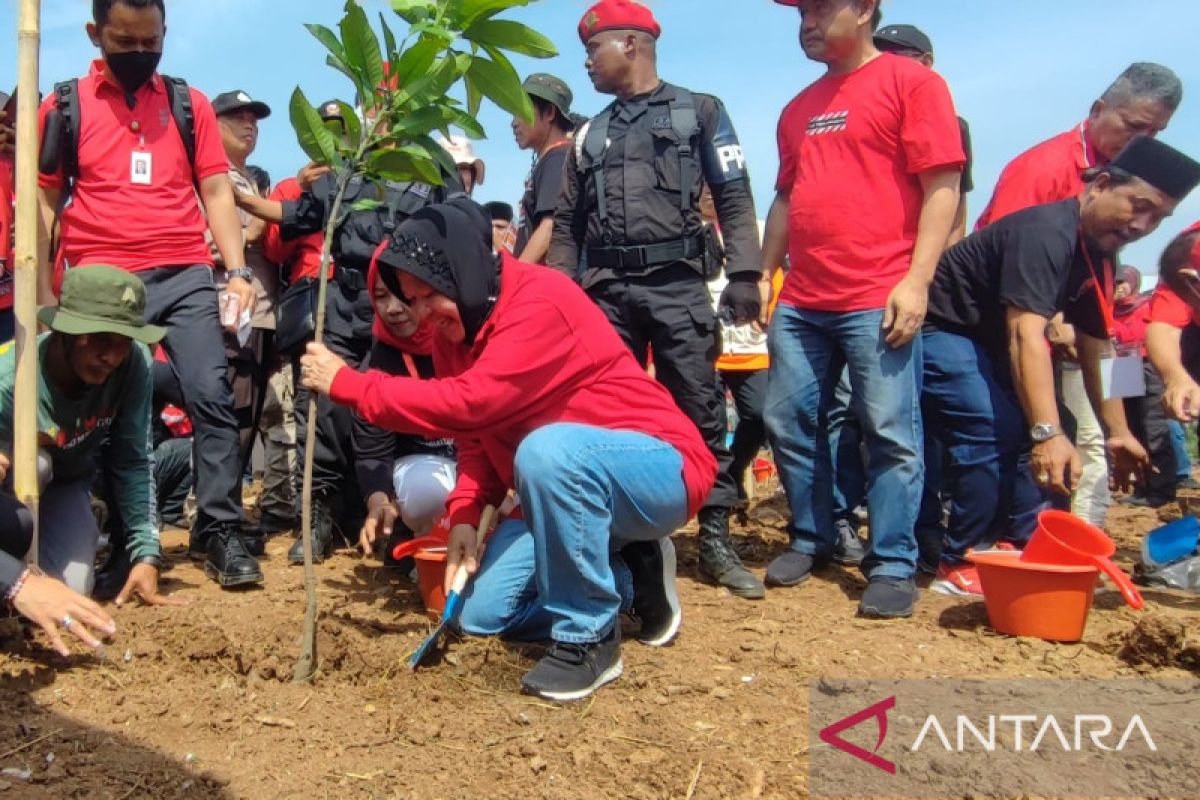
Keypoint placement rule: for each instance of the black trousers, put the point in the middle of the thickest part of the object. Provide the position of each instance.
(749, 390)
(1148, 422)
(670, 312)
(348, 318)
(184, 301)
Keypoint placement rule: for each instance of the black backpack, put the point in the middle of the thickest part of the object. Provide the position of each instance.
(60, 136)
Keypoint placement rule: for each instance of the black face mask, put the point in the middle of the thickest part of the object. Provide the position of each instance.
(133, 69)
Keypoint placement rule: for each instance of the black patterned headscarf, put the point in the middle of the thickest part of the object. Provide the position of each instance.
(449, 247)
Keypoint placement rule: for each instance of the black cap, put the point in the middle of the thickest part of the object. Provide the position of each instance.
(330, 109)
(1160, 165)
(499, 210)
(229, 102)
(903, 37)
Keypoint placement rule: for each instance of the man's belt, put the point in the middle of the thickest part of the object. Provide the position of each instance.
(647, 255)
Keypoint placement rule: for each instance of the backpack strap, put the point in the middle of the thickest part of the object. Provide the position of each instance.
(61, 152)
(686, 125)
(595, 142)
(183, 113)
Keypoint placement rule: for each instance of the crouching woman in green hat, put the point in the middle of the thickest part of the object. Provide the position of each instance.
(94, 389)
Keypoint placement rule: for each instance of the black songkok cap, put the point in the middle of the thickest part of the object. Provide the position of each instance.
(1159, 165)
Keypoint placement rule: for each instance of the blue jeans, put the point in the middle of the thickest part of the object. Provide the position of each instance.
(850, 470)
(1183, 459)
(972, 411)
(585, 492)
(808, 352)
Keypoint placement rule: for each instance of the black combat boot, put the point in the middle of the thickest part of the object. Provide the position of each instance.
(228, 562)
(719, 562)
(322, 535)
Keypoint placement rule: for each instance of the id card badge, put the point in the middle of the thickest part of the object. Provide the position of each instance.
(1121, 373)
(140, 168)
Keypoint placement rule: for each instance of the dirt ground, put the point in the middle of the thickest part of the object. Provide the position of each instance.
(196, 702)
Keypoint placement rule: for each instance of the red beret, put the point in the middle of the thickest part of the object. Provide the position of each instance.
(618, 15)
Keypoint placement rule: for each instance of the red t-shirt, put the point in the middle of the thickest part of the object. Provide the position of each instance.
(1167, 306)
(1045, 173)
(111, 219)
(546, 354)
(7, 196)
(300, 257)
(851, 148)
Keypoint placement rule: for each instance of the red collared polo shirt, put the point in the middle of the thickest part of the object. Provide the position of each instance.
(113, 220)
(1045, 173)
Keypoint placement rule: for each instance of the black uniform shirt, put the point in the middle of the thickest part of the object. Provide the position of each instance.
(1030, 260)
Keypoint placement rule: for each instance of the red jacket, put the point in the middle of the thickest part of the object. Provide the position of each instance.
(547, 354)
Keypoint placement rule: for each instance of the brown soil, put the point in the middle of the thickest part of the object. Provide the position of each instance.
(197, 701)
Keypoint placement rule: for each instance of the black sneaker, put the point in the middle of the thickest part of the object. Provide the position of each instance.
(228, 563)
(848, 549)
(888, 598)
(270, 523)
(654, 599)
(322, 536)
(790, 569)
(574, 671)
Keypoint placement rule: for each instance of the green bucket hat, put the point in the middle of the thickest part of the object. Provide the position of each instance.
(551, 89)
(98, 298)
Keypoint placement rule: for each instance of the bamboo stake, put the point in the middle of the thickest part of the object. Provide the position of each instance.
(25, 272)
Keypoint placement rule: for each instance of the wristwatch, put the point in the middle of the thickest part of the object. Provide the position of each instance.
(1044, 432)
(245, 273)
(154, 561)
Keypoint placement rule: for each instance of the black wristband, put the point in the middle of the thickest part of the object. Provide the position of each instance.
(154, 561)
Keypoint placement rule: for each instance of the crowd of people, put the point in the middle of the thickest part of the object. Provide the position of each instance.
(575, 355)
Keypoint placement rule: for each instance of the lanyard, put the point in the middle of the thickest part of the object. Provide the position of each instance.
(1103, 293)
(1087, 162)
(412, 365)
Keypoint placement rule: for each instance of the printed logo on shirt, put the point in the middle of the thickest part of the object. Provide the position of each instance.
(661, 124)
(163, 120)
(828, 123)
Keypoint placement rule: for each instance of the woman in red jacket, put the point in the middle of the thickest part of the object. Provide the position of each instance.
(540, 396)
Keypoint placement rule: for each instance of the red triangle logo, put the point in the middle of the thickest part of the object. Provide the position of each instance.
(830, 734)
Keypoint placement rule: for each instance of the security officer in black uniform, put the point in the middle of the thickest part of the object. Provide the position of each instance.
(349, 315)
(628, 226)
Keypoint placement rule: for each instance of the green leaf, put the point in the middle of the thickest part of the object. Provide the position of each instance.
(472, 11)
(497, 79)
(512, 36)
(444, 160)
(474, 96)
(412, 11)
(317, 142)
(435, 30)
(365, 204)
(329, 39)
(353, 124)
(432, 85)
(419, 123)
(406, 163)
(469, 125)
(390, 55)
(417, 60)
(362, 48)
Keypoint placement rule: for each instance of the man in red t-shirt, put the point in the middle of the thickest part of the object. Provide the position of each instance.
(1140, 101)
(870, 161)
(1173, 335)
(133, 205)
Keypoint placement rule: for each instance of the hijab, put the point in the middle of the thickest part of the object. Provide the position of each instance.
(449, 247)
(420, 343)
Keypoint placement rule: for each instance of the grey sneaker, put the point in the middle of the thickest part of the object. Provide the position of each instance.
(848, 549)
(888, 598)
(573, 671)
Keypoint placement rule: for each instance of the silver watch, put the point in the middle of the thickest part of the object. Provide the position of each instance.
(1044, 432)
(244, 273)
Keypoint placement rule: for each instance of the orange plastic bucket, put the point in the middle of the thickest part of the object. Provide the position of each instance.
(1024, 598)
(1063, 538)
(431, 575)
(763, 470)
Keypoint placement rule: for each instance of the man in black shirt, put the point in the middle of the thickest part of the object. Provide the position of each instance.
(549, 137)
(988, 371)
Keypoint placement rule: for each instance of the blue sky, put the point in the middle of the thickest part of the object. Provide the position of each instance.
(1020, 71)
